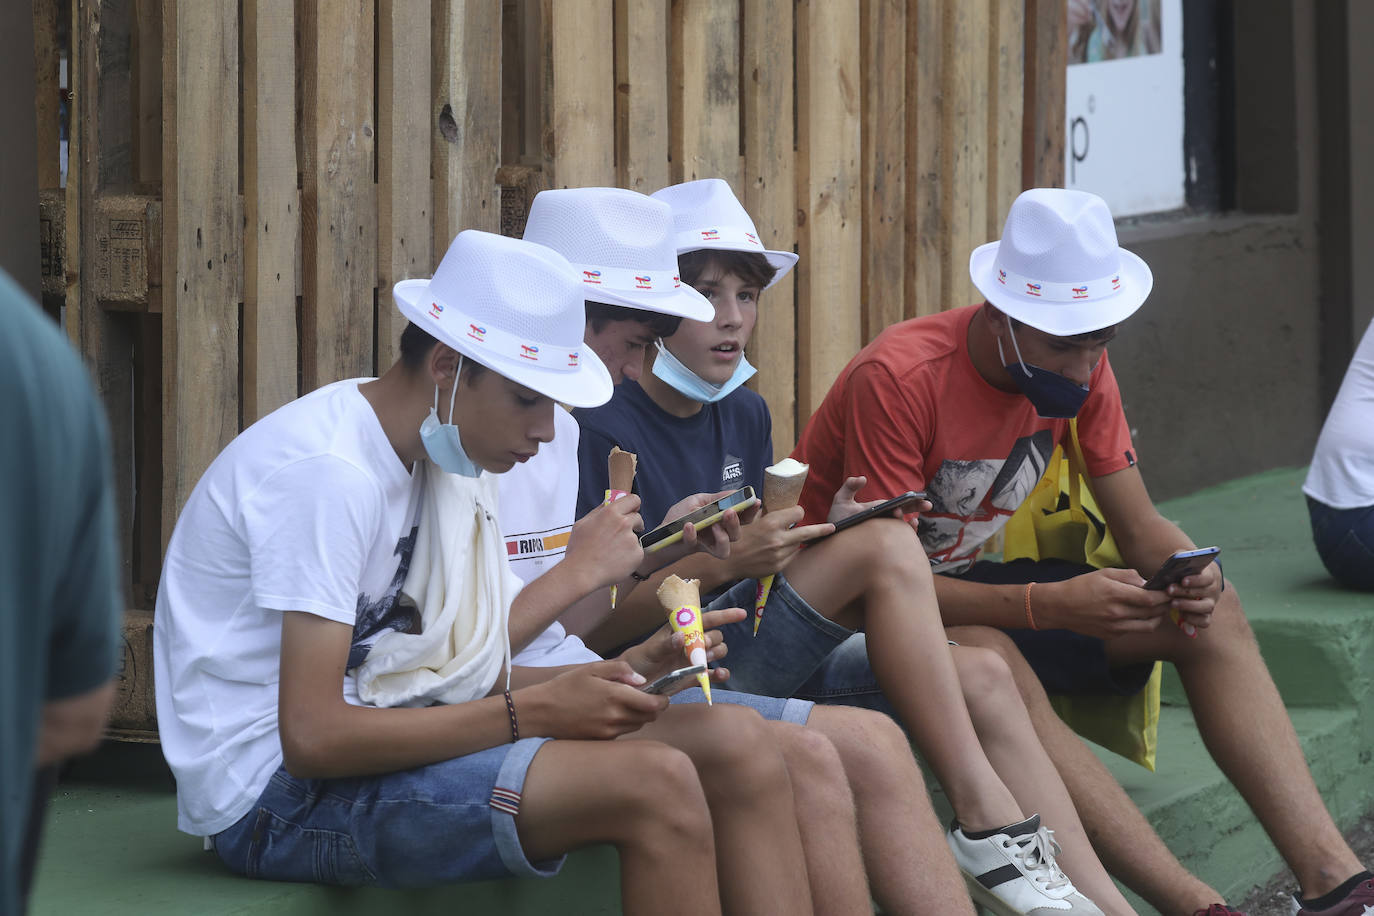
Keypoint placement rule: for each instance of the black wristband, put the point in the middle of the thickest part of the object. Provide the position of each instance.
(514, 725)
(1223, 573)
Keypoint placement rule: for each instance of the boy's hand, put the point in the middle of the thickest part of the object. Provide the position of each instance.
(769, 543)
(599, 701)
(662, 652)
(1104, 603)
(604, 546)
(1195, 597)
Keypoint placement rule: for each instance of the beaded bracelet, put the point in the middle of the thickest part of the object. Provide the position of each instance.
(1030, 621)
(514, 725)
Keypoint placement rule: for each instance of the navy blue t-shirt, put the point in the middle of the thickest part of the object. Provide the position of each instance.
(724, 446)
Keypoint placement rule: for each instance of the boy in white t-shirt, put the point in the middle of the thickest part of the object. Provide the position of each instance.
(284, 571)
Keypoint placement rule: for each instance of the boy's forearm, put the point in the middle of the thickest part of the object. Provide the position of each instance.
(543, 600)
(979, 604)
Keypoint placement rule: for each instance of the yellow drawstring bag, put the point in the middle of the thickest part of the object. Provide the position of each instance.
(1060, 520)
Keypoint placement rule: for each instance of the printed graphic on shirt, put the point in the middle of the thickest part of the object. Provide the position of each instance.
(973, 499)
(731, 472)
(385, 613)
(538, 545)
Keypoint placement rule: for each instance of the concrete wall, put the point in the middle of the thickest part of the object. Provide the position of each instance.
(1229, 367)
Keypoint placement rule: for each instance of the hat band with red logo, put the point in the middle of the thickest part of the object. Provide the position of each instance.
(484, 338)
(619, 278)
(1057, 292)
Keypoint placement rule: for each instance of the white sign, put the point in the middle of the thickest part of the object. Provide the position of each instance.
(1125, 103)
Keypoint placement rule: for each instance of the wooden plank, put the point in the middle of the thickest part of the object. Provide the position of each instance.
(271, 232)
(828, 188)
(47, 92)
(147, 91)
(925, 222)
(126, 232)
(770, 196)
(884, 174)
(467, 106)
(1046, 72)
(338, 203)
(582, 87)
(708, 144)
(403, 160)
(1006, 62)
(641, 94)
(147, 415)
(965, 171)
(202, 245)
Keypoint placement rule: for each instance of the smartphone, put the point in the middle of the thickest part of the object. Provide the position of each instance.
(1181, 565)
(674, 681)
(885, 507)
(671, 532)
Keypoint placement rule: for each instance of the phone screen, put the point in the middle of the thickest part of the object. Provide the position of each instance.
(675, 680)
(671, 532)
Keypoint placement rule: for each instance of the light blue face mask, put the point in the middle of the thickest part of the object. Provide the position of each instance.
(441, 440)
(670, 370)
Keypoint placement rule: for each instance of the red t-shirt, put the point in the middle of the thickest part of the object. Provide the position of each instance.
(911, 412)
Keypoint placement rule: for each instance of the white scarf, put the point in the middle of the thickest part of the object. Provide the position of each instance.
(460, 582)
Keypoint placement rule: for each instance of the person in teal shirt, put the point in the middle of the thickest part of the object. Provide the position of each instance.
(60, 603)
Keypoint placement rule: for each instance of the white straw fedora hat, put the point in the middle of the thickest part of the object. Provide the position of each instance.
(707, 214)
(620, 242)
(1058, 267)
(516, 308)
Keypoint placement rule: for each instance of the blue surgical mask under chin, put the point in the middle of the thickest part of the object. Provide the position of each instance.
(441, 440)
(669, 369)
(1053, 396)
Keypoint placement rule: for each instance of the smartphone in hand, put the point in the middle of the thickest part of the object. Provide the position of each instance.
(884, 508)
(671, 532)
(674, 681)
(1180, 566)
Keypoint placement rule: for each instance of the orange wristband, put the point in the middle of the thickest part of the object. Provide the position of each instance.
(1030, 621)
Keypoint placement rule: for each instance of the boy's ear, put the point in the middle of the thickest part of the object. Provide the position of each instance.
(442, 364)
(995, 316)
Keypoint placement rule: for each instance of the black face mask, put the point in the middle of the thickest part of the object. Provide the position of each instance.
(1053, 396)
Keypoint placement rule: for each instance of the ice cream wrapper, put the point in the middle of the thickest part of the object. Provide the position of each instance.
(681, 598)
(782, 488)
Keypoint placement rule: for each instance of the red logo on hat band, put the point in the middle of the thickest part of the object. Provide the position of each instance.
(710, 234)
(643, 282)
(591, 276)
(477, 333)
(435, 310)
(1032, 289)
(1080, 292)
(529, 352)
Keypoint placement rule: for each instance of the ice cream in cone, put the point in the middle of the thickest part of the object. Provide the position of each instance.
(782, 488)
(681, 598)
(622, 479)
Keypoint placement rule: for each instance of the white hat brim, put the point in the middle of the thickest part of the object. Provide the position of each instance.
(1063, 319)
(683, 302)
(589, 385)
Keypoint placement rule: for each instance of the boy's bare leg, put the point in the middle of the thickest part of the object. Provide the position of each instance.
(910, 867)
(894, 602)
(825, 813)
(1245, 726)
(1123, 839)
(1017, 755)
(760, 859)
(658, 821)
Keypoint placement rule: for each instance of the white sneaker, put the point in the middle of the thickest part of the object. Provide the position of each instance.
(1013, 872)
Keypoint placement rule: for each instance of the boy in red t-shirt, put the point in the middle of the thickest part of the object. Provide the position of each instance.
(968, 405)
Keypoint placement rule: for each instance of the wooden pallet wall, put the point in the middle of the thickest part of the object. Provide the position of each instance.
(248, 178)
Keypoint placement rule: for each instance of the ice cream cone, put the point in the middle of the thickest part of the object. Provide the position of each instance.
(681, 598)
(622, 479)
(782, 488)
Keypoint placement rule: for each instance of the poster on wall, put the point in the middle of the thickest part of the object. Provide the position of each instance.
(1125, 103)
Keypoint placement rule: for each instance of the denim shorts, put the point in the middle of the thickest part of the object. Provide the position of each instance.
(1344, 539)
(437, 824)
(771, 708)
(794, 639)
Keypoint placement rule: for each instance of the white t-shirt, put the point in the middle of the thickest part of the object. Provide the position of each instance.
(537, 511)
(1342, 472)
(309, 509)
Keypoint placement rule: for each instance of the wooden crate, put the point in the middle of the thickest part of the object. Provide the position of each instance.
(248, 178)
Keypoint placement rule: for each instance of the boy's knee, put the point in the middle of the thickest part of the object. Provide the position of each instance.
(984, 676)
(737, 740)
(666, 792)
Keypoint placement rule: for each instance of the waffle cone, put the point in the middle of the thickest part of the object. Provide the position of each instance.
(675, 593)
(622, 469)
(780, 492)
